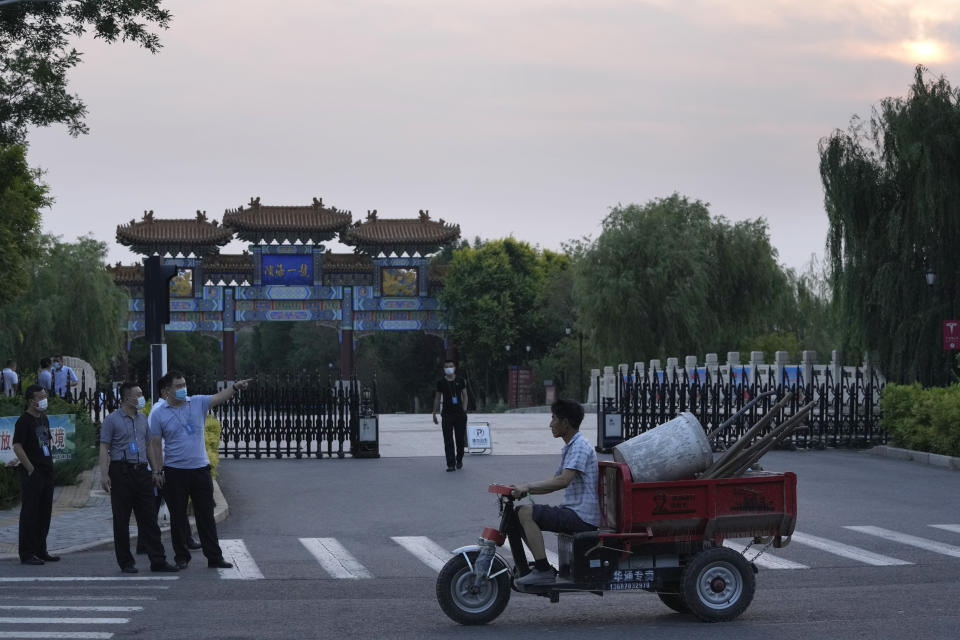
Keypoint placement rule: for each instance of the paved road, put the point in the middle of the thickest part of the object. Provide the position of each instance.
(877, 556)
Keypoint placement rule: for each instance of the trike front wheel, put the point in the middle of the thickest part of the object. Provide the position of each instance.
(467, 602)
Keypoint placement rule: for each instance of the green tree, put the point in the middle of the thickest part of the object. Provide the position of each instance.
(22, 195)
(494, 295)
(70, 305)
(36, 55)
(667, 279)
(893, 202)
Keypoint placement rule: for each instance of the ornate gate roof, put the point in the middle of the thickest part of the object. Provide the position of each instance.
(176, 235)
(400, 235)
(312, 223)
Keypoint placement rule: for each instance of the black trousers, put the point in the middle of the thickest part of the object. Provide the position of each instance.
(180, 486)
(36, 505)
(454, 426)
(157, 501)
(131, 489)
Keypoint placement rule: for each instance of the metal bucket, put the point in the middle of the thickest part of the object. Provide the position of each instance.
(675, 450)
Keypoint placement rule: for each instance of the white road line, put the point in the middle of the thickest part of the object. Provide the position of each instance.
(913, 541)
(64, 620)
(334, 558)
(425, 549)
(948, 527)
(766, 561)
(66, 635)
(86, 579)
(244, 566)
(38, 607)
(552, 557)
(75, 598)
(846, 551)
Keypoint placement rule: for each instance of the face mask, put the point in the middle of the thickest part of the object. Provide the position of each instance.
(448, 371)
(56, 366)
(141, 402)
(42, 404)
(180, 394)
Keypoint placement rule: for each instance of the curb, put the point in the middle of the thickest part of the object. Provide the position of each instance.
(220, 513)
(919, 457)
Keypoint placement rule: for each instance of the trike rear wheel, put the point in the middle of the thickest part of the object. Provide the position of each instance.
(718, 584)
(466, 602)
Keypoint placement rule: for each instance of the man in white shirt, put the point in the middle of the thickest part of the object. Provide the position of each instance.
(10, 378)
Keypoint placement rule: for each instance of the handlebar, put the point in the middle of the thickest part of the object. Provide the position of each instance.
(500, 489)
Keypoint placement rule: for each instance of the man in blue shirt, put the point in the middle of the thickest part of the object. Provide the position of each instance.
(45, 377)
(64, 378)
(186, 467)
(577, 476)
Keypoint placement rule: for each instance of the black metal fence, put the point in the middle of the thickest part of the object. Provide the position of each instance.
(277, 416)
(846, 413)
(295, 417)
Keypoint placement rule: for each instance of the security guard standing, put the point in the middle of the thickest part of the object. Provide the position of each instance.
(32, 445)
(124, 475)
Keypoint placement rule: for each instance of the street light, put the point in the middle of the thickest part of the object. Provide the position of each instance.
(931, 277)
(507, 347)
(569, 332)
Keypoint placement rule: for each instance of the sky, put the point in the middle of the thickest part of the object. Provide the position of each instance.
(529, 118)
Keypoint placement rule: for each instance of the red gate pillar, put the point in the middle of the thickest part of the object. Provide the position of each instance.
(346, 354)
(229, 361)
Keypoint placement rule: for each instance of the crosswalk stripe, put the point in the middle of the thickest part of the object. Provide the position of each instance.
(37, 607)
(86, 579)
(552, 556)
(846, 551)
(244, 566)
(766, 561)
(334, 558)
(948, 527)
(425, 549)
(64, 620)
(57, 635)
(913, 541)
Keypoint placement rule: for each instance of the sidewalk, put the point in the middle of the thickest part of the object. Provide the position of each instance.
(82, 517)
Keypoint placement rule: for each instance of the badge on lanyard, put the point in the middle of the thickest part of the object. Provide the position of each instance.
(453, 399)
(133, 447)
(46, 451)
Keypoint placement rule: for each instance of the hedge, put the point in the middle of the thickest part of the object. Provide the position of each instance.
(922, 419)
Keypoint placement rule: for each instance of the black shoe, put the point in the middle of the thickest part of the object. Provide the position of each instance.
(219, 564)
(193, 544)
(182, 564)
(46, 557)
(451, 469)
(459, 464)
(32, 560)
(166, 567)
(129, 569)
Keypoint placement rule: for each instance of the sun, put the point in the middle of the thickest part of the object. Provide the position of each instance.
(919, 51)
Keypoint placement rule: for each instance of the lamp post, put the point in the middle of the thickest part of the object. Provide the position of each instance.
(931, 277)
(580, 371)
(507, 347)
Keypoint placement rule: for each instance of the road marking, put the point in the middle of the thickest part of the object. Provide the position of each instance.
(86, 579)
(67, 635)
(425, 549)
(552, 557)
(334, 558)
(64, 620)
(846, 551)
(948, 527)
(766, 561)
(37, 607)
(913, 541)
(85, 598)
(244, 566)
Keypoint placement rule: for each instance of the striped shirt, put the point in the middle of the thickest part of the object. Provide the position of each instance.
(581, 494)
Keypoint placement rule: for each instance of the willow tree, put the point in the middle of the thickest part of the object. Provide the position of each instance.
(892, 196)
(666, 278)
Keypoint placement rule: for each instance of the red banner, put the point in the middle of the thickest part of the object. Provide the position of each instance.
(951, 335)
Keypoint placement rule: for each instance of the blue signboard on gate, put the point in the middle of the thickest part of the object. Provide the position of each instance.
(296, 269)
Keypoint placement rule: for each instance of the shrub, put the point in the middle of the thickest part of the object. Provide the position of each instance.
(923, 419)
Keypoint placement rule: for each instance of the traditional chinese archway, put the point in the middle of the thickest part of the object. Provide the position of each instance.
(387, 284)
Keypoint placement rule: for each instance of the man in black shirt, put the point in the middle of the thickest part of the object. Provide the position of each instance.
(452, 395)
(32, 446)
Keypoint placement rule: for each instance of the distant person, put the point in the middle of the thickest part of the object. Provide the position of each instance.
(124, 474)
(32, 446)
(186, 467)
(45, 377)
(577, 476)
(64, 379)
(451, 401)
(10, 378)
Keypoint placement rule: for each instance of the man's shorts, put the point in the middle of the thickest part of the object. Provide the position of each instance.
(559, 519)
